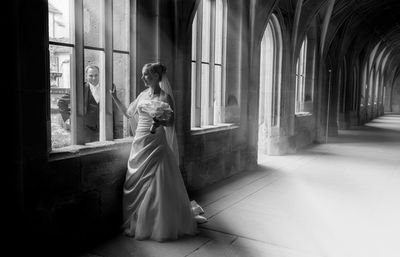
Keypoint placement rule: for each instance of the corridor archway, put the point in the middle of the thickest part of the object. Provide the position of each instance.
(270, 84)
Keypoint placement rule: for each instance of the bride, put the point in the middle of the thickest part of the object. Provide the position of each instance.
(155, 202)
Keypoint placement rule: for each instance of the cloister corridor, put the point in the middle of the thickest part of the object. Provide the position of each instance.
(339, 199)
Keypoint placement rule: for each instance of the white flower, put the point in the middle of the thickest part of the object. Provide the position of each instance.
(157, 109)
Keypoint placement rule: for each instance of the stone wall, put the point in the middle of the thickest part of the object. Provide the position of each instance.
(305, 130)
(215, 156)
(78, 196)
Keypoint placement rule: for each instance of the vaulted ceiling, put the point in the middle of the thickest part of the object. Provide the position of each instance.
(361, 24)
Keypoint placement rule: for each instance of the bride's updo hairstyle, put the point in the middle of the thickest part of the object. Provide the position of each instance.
(157, 67)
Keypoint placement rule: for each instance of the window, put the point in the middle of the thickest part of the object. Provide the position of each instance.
(370, 86)
(208, 55)
(364, 85)
(372, 74)
(270, 74)
(301, 77)
(378, 72)
(377, 84)
(383, 66)
(270, 82)
(89, 49)
(357, 86)
(305, 76)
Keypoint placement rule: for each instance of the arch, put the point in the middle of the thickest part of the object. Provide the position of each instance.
(262, 13)
(270, 82)
(372, 56)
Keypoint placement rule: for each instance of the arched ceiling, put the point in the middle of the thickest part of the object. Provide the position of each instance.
(363, 23)
(354, 27)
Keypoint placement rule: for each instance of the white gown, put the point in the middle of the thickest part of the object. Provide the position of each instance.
(155, 202)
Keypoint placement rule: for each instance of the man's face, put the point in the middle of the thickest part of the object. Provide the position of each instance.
(92, 76)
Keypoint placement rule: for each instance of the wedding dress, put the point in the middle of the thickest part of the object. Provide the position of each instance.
(156, 204)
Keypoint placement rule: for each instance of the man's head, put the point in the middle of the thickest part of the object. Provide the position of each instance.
(92, 74)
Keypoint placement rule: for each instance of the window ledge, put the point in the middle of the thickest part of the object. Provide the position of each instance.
(303, 114)
(89, 148)
(213, 128)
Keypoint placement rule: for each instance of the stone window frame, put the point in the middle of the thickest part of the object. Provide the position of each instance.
(78, 48)
(206, 114)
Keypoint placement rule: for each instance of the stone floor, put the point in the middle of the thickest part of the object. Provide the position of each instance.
(337, 199)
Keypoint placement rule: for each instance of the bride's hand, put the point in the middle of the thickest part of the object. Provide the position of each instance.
(113, 91)
(157, 122)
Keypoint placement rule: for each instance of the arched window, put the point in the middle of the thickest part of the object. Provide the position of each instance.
(372, 74)
(370, 86)
(88, 38)
(301, 68)
(377, 85)
(208, 63)
(270, 81)
(305, 75)
(383, 66)
(356, 84)
(364, 85)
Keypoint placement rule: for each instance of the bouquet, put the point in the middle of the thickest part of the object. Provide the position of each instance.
(160, 111)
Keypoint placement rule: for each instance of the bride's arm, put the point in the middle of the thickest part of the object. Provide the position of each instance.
(119, 104)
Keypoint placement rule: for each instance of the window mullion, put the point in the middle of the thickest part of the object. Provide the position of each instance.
(210, 109)
(223, 59)
(106, 112)
(131, 89)
(198, 65)
(77, 108)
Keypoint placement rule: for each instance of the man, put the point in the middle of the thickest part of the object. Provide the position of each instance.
(91, 100)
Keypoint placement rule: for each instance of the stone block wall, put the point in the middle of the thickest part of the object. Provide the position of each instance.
(305, 130)
(211, 157)
(80, 196)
